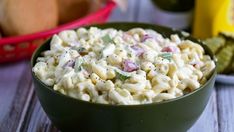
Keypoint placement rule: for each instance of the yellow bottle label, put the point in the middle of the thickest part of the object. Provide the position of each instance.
(231, 12)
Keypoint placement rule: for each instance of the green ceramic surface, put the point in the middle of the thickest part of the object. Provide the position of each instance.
(176, 115)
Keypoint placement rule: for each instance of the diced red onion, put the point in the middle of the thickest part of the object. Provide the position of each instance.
(129, 66)
(70, 63)
(145, 37)
(138, 50)
(172, 49)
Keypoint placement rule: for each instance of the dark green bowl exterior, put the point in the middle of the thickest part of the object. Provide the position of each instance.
(175, 115)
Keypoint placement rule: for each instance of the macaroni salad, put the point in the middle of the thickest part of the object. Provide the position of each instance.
(111, 66)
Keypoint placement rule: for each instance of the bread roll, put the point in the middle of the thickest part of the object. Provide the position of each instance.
(73, 9)
(18, 17)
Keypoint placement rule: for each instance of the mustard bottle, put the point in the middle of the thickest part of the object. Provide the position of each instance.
(212, 17)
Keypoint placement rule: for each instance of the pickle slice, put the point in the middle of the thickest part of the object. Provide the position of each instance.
(231, 69)
(227, 35)
(215, 43)
(224, 57)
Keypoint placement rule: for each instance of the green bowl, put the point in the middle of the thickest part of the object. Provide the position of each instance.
(177, 115)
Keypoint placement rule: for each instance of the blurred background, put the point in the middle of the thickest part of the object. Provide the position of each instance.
(26, 24)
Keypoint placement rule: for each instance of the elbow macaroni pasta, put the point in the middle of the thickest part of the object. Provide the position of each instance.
(111, 66)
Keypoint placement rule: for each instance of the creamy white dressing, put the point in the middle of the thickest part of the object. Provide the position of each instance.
(122, 67)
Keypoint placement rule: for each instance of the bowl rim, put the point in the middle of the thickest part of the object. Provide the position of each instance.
(50, 88)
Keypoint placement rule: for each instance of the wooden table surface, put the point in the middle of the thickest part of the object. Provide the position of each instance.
(21, 111)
